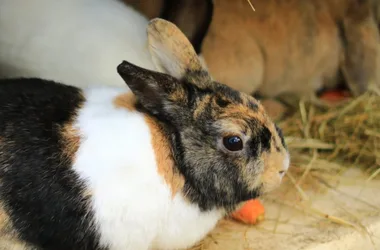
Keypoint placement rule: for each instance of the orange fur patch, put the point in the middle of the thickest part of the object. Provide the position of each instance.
(71, 140)
(126, 101)
(4, 220)
(244, 111)
(8, 237)
(201, 106)
(178, 95)
(14, 244)
(164, 158)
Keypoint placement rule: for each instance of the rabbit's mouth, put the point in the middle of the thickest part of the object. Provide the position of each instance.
(276, 166)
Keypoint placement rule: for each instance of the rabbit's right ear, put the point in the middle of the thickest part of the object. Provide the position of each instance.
(192, 17)
(172, 53)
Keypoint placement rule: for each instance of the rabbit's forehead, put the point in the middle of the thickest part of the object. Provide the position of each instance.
(223, 100)
(238, 113)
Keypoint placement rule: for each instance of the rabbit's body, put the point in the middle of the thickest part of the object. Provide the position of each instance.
(287, 54)
(98, 177)
(88, 36)
(294, 46)
(153, 167)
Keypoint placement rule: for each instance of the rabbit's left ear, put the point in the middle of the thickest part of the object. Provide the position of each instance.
(173, 53)
(158, 93)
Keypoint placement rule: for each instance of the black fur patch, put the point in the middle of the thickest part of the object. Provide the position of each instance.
(265, 138)
(253, 106)
(259, 142)
(228, 92)
(190, 94)
(222, 103)
(279, 132)
(40, 191)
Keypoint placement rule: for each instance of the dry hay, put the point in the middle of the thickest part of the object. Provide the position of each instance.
(324, 143)
(348, 133)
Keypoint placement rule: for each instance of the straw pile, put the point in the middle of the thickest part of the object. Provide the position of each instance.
(347, 135)
(325, 142)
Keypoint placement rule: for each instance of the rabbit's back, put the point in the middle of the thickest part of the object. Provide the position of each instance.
(73, 41)
(282, 46)
(85, 167)
(38, 185)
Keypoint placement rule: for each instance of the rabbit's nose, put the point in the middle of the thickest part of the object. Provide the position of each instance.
(282, 173)
(285, 165)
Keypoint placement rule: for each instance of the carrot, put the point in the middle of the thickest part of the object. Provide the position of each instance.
(251, 212)
(334, 96)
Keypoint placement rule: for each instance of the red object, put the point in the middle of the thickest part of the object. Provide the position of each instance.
(335, 95)
(251, 212)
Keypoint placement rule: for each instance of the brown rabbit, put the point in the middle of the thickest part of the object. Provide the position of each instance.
(192, 16)
(296, 46)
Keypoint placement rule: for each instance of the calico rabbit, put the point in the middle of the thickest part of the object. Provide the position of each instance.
(154, 166)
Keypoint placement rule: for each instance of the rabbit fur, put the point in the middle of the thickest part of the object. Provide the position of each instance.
(294, 46)
(77, 42)
(88, 37)
(107, 168)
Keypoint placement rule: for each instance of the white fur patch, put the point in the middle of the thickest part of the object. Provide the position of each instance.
(133, 205)
(286, 164)
(78, 42)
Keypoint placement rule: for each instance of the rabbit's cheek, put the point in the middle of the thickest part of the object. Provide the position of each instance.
(252, 173)
(276, 166)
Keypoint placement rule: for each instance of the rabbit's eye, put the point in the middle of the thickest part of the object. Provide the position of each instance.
(233, 143)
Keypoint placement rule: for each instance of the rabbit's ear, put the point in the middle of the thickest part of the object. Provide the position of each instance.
(192, 17)
(172, 53)
(156, 92)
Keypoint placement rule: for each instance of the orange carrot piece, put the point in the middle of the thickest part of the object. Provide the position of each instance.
(251, 212)
(334, 95)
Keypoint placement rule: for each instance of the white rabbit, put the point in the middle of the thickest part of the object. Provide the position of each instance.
(78, 42)
(105, 168)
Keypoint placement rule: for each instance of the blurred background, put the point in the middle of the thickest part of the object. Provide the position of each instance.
(314, 64)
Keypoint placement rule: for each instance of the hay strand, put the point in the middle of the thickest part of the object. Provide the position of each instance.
(250, 4)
